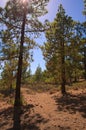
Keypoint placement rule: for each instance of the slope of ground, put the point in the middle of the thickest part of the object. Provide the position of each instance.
(45, 111)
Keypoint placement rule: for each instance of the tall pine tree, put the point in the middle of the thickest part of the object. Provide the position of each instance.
(58, 38)
(21, 18)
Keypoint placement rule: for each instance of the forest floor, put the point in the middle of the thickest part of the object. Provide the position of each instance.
(45, 111)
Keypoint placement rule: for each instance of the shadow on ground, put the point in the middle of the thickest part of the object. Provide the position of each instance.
(6, 118)
(72, 103)
(20, 119)
(7, 92)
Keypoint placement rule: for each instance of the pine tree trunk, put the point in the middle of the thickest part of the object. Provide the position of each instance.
(19, 72)
(75, 77)
(63, 90)
(85, 63)
(85, 71)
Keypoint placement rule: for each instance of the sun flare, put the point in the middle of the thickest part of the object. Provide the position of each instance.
(24, 1)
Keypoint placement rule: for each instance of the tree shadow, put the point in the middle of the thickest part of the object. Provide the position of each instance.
(7, 92)
(17, 118)
(20, 118)
(6, 118)
(30, 120)
(72, 103)
(57, 128)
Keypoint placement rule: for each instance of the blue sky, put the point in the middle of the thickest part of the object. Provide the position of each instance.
(72, 7)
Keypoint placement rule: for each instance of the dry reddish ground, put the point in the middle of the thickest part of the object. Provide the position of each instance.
(45, 111)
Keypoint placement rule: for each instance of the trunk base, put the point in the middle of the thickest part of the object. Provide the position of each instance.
(18, 102)
(63, 91)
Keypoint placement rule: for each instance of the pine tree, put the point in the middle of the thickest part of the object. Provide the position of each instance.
(9, 57)
(84, 11)
(21, 19)
(83, 47)
(58, 38)
(38, 74)
(84, 39)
